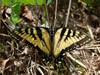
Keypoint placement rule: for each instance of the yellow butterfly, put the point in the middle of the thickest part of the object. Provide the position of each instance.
(55, 44)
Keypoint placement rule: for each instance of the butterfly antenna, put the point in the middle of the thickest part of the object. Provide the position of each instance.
(55, 13)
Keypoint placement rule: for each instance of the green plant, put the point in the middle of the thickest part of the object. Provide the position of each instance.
(15, 7)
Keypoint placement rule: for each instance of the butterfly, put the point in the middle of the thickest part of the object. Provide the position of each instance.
(52, 45)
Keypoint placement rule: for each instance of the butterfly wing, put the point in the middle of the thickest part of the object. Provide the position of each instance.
(39, 37)
(66, 40)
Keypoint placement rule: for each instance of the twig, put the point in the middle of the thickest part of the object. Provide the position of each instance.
(8, 24)
(35, 65)
(55, 13)
(47, 14)
(5, 35)
(91, 32)
(76, 60)
(98, 48)
(92, 46)
(68, 13)
(0, 14)
(87, 48)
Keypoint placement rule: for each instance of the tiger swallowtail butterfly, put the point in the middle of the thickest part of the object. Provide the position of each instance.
(51, 44)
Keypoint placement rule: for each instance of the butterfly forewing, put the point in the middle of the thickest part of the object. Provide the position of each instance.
(39, 37)
(66, 40)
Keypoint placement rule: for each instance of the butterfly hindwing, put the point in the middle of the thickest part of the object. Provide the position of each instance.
(66, 40)
(38, 37)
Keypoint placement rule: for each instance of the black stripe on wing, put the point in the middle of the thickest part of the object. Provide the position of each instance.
(62, 34)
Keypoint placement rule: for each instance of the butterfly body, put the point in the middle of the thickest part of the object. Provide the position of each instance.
(51, 44)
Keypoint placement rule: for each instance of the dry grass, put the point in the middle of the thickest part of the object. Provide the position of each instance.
(19, 58)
